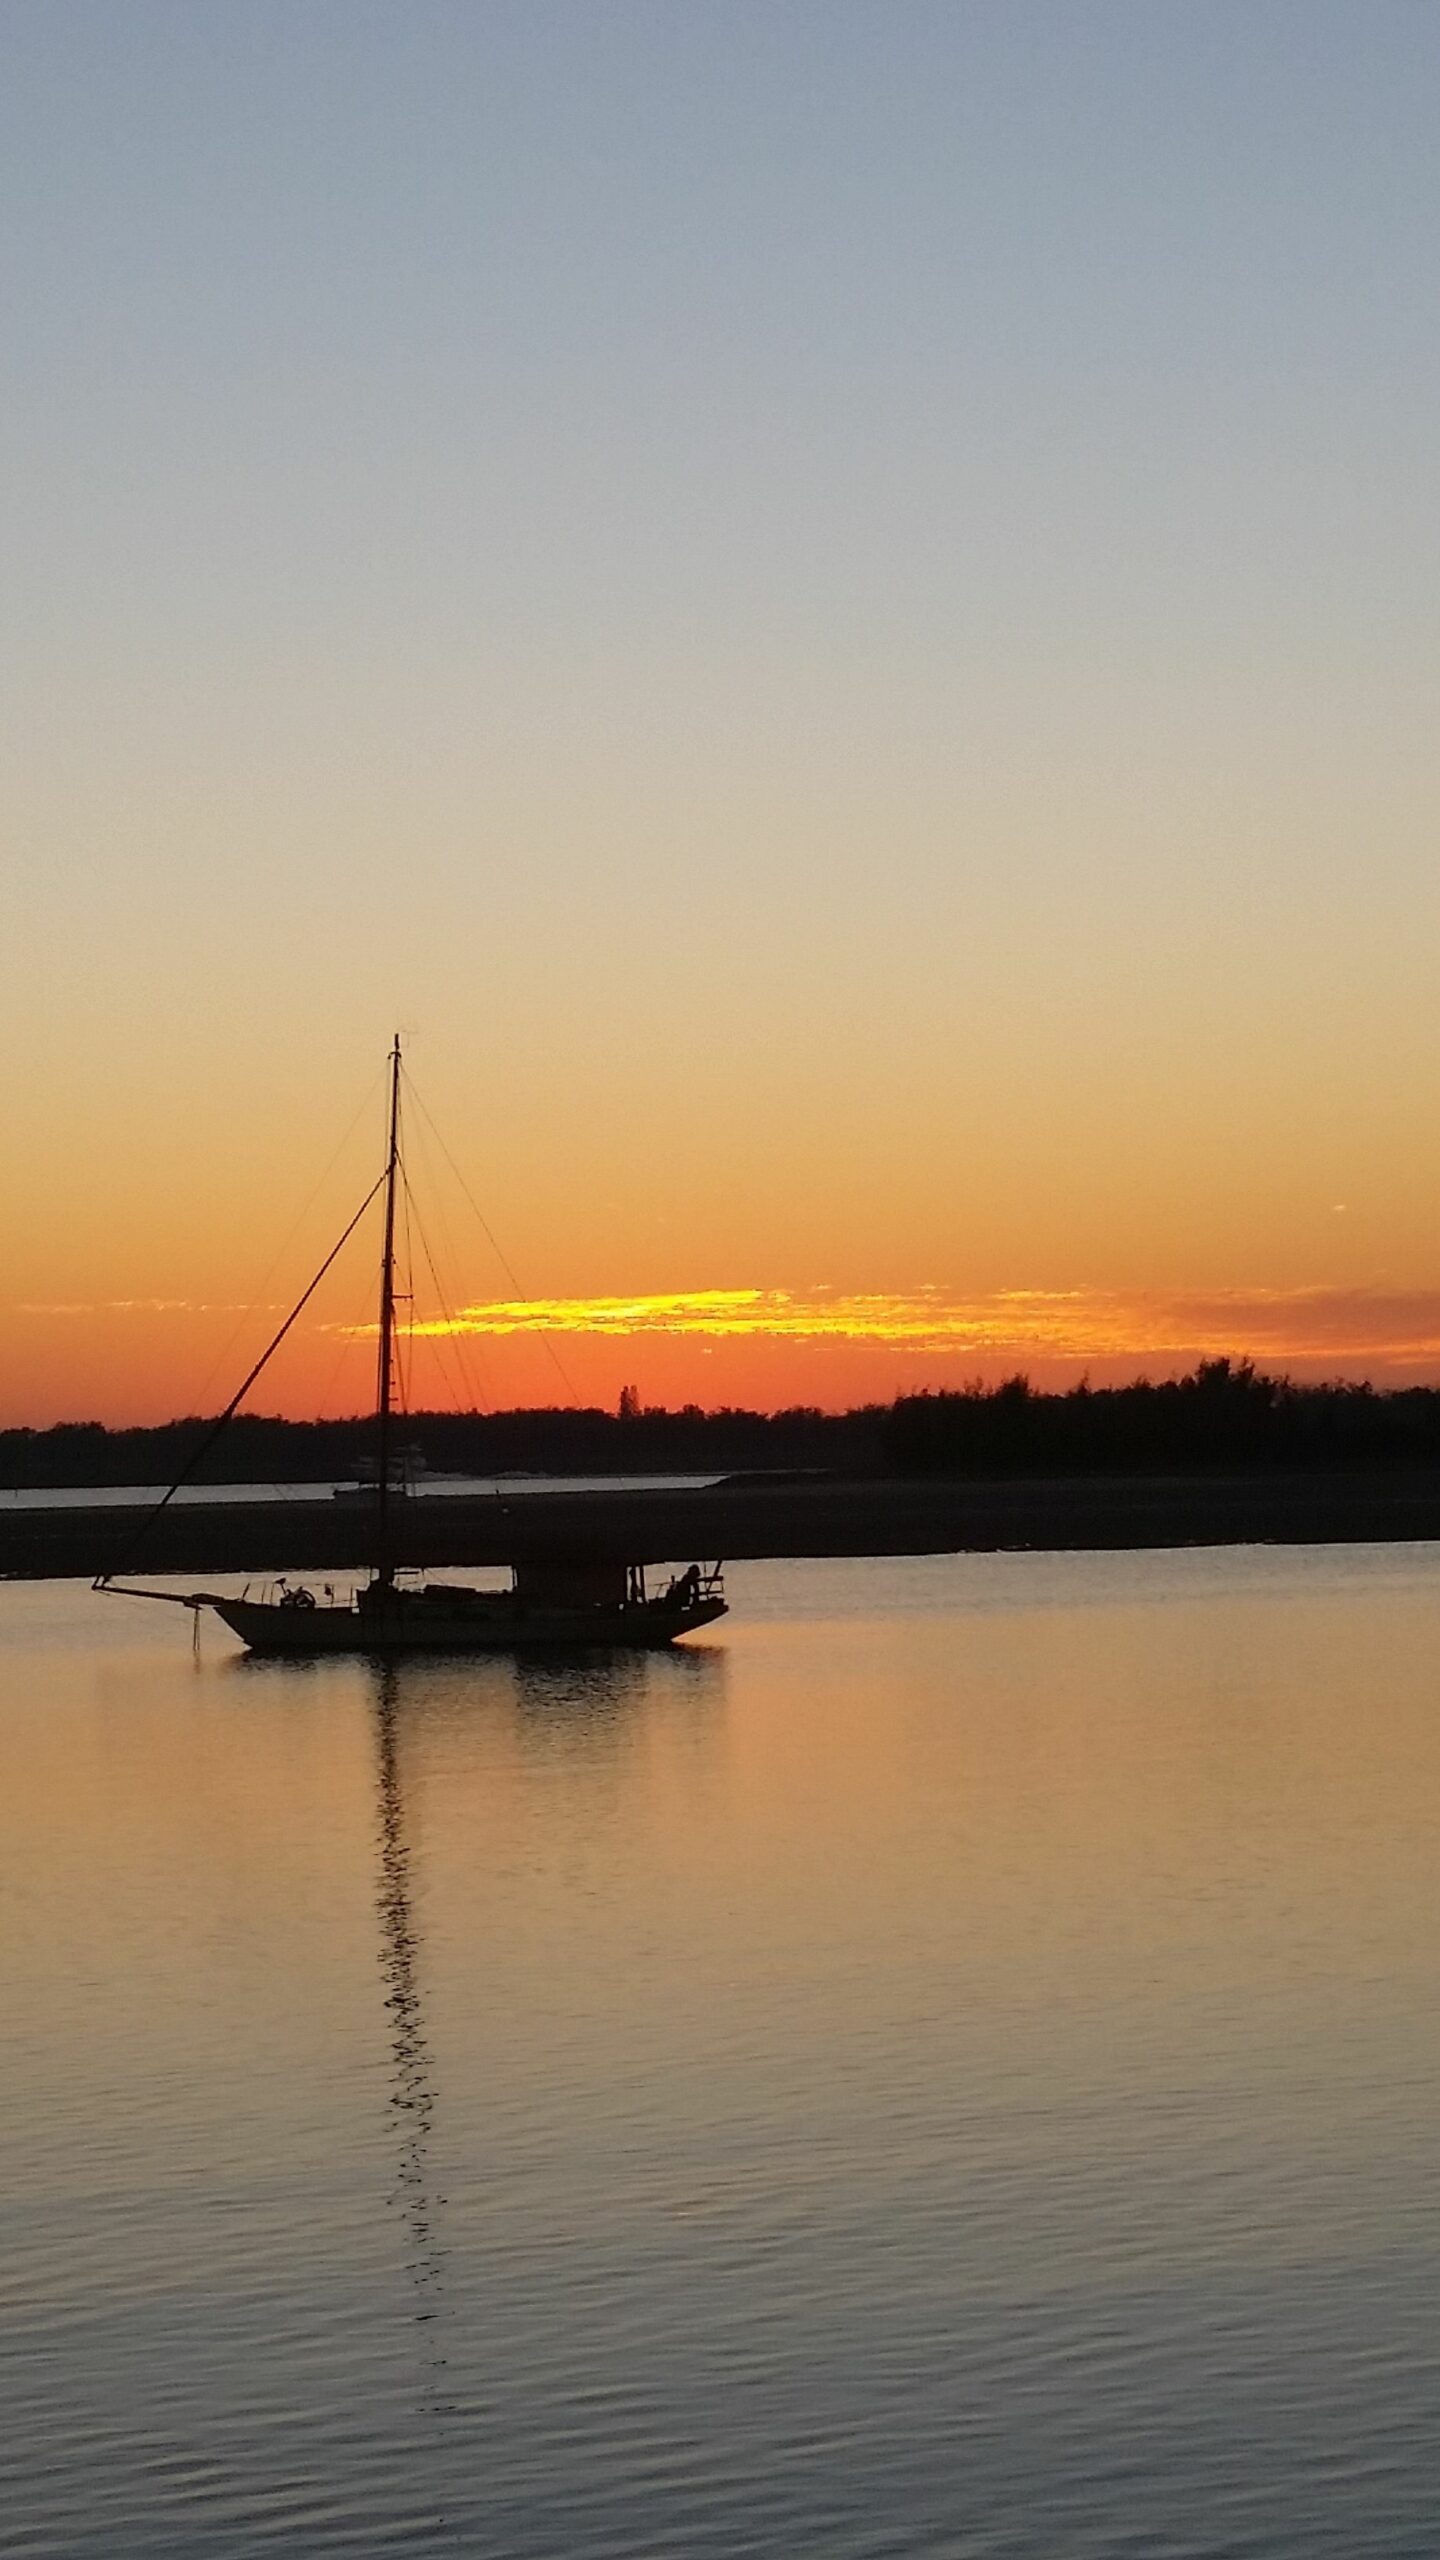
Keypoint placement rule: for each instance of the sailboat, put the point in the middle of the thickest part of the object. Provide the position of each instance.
(559, 1604)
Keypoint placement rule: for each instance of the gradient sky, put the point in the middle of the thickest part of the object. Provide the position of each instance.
(837, 607)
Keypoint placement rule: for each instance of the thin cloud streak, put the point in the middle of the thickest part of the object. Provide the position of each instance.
(138, 1307)
(1387, 1328)
(1075, 1324)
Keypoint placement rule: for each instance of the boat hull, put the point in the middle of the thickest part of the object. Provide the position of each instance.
(270, 1627)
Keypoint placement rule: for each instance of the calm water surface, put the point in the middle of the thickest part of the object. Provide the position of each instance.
(947, 2066)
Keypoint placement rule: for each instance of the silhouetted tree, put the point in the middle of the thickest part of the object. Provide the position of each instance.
(1225, 1414)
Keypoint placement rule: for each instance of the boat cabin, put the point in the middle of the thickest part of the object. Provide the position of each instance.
(572, 1586)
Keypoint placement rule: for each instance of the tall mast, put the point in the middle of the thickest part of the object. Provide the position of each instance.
(385, 1379)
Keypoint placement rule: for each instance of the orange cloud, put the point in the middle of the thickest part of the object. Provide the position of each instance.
(145, 1359)
(1074, 1324)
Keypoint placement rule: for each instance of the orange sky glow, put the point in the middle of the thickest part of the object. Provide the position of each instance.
(761, 1347)
(843, 632)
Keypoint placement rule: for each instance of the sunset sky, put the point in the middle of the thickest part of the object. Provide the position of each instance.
(836, 608)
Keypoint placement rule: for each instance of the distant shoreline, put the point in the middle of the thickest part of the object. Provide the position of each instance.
(783, 1517)
(1225, 1417)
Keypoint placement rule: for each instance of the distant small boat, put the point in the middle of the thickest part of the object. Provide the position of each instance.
(406, 1471)
(558, 1605)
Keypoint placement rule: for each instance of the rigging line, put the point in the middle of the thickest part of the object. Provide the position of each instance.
(450, 1390)
(349, 1335)
(233, 1407)
(223, 1354)
(457, 1342)
(452, 1339)
(453, 1381)
(491, 1237)
(564, 1376)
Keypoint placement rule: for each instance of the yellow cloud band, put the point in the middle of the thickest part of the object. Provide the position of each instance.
(1386, 1327)
(1070, 1323)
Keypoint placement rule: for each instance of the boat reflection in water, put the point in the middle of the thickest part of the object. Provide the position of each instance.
(573, 1710)
(412, 2084)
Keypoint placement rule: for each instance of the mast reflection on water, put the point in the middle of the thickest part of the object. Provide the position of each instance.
(412, 2084)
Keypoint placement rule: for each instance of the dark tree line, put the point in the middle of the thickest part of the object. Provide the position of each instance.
(559, 1440)
(1224, 1414)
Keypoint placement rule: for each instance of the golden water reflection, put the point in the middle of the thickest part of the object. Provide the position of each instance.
(953, 2052)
